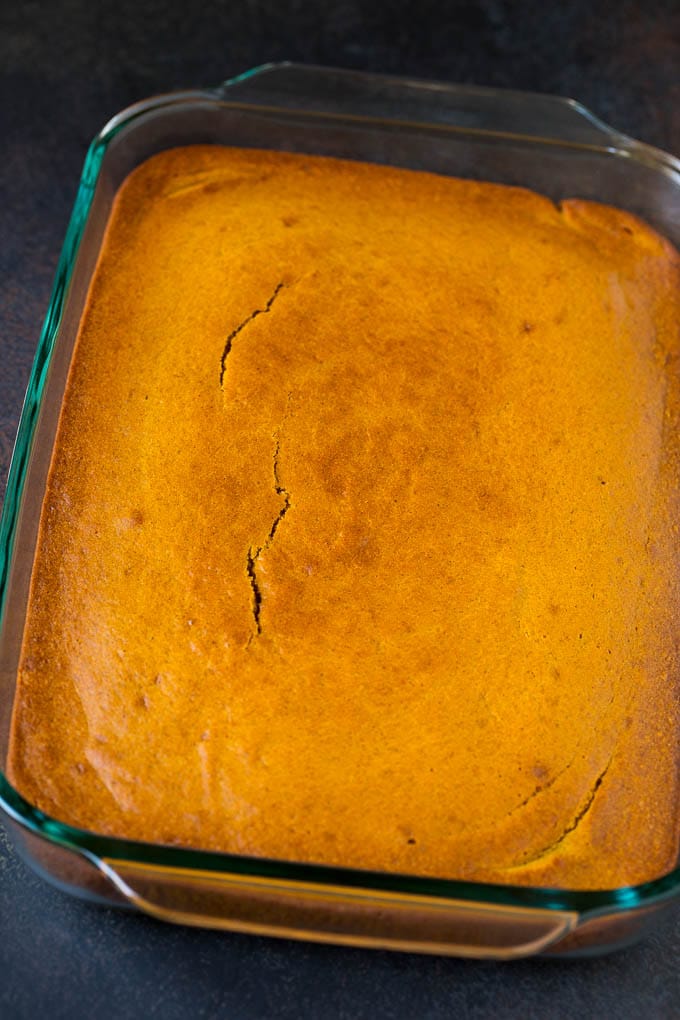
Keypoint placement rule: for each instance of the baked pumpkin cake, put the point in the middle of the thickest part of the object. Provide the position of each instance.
(360, 538)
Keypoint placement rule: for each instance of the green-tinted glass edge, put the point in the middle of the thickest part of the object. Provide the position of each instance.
(36, 382)
(95, 847)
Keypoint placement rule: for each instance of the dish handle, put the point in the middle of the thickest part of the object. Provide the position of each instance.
(376, 96)
(345, 916)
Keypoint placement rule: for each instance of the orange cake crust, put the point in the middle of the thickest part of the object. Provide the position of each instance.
(359, 541)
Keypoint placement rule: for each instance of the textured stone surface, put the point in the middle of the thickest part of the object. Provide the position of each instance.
(66, 67)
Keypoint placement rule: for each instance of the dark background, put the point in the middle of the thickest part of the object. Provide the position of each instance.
(65, 68)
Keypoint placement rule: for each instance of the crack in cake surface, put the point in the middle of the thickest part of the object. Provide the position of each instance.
(281, 491)
(241, 326)
(251, 560)
(547, 850)
(254, 553)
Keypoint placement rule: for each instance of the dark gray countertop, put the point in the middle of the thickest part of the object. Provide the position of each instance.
(65, 68)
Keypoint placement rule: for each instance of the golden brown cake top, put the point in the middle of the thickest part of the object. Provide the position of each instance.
(359, 541)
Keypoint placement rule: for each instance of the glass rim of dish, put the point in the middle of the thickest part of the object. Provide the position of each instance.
(99, 848)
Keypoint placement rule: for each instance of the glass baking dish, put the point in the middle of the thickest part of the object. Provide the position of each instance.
(549, 144)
